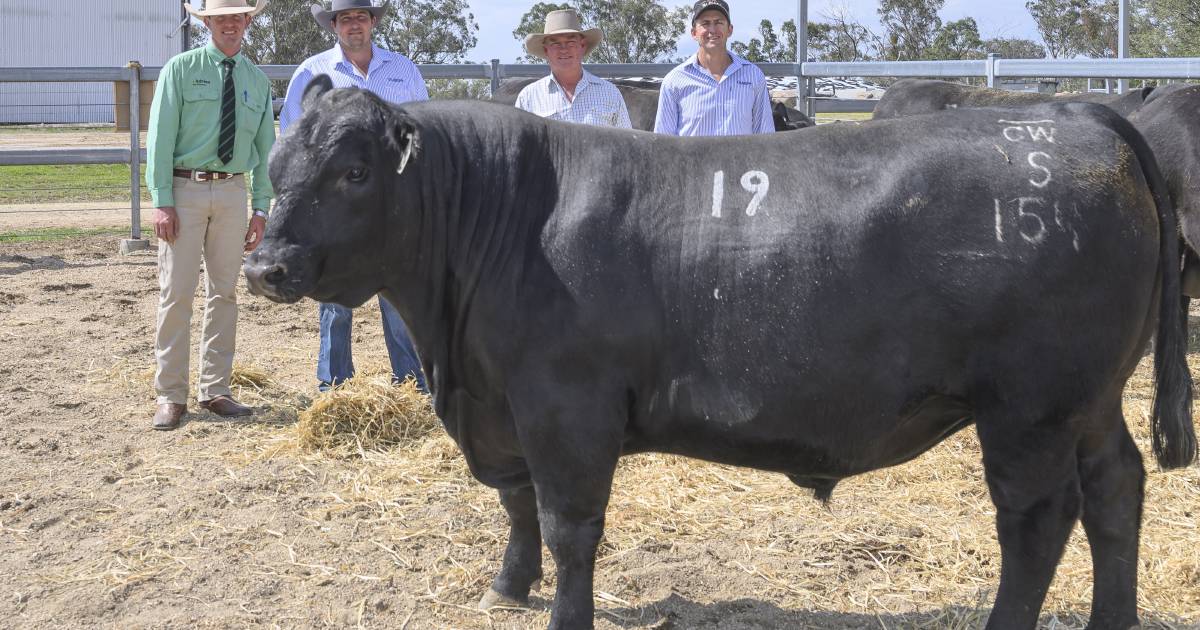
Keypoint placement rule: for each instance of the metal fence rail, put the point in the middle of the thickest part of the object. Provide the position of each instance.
(991, 68)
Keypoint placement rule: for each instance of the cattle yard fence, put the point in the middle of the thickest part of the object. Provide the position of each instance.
(991, 69)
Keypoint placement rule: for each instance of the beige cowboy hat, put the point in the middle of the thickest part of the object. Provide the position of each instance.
(325, 18)
(225, 7)
(561, 23)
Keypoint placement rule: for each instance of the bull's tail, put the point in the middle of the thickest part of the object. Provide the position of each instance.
(1171, 422)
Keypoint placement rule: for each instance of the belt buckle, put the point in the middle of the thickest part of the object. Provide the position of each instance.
(199, 176)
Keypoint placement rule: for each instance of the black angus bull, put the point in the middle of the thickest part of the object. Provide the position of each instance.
(580, 293)
(921, 96)
(641, 99)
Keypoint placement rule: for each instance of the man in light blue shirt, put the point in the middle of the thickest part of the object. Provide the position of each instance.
(356, 62)
(571, 93)
(715, 93)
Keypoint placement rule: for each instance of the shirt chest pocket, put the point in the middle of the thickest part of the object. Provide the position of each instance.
(250, 106)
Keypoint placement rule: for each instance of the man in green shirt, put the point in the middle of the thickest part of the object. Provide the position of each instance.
(211, 123)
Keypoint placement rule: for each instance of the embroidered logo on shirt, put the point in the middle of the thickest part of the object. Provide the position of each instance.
(395, 80)
(745, 83)
(196, 82)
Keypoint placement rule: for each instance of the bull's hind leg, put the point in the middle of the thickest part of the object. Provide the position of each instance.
(1112, 477)
(523, 555)
(1034, 483)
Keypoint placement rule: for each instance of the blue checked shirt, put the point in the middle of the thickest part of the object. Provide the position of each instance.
(693, 103)
(391, 75)
(597, 102)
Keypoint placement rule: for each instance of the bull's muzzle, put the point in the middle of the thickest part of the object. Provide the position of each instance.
(268, 275)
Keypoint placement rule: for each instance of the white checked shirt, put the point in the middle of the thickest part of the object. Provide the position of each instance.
(597, 102)
(693, 103)
(391, 75)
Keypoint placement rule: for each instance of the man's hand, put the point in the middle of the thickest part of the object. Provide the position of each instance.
(166, 223)
(254, 235)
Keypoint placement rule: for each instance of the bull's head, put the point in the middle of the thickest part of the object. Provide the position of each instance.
(334, 230)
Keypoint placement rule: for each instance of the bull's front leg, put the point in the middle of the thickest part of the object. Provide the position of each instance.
(523, 556)
(572, 446)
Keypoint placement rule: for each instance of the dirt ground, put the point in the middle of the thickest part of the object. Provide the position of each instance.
(105, 523)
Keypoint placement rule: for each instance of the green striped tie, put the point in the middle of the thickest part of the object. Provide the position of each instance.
(228, 116)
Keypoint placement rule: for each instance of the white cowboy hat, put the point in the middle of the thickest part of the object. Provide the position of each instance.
(225, 7)
(561, 23)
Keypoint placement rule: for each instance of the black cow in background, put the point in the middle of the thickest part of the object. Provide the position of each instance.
(922, 96)
(641, 99)
(1170, 122)
(741, 302)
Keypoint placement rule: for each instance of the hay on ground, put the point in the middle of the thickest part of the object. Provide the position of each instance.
(367, 412)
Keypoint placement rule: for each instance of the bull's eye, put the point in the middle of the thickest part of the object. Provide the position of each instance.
(357, 175)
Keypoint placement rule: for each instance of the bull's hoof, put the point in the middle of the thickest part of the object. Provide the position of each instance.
(491, 599)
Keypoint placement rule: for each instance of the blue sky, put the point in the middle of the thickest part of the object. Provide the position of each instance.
(996, 18)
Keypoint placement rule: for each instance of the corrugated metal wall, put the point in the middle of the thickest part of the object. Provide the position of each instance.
(74, 33)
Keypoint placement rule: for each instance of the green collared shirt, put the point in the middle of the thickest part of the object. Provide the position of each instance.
(185, 122)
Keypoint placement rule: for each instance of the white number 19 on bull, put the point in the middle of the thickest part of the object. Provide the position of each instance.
(755, 182)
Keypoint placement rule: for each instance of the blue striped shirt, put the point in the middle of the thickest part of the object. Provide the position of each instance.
(391, 75)
(596, 102)
(693, 103)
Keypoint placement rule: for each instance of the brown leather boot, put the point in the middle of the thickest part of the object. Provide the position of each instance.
(167, 416)
(226, 407)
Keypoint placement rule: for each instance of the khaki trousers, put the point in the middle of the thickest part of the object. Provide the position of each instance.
(212, 227)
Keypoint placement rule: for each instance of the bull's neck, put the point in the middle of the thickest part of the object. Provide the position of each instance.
(486, 189)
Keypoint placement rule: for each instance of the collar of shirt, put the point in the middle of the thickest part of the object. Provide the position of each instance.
(217, 56)
(584, 81)
(378, 58)
(737, 63)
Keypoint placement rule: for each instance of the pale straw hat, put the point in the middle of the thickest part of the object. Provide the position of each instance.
(562, 23)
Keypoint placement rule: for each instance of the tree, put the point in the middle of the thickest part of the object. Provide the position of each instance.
(1058, 21)
(910, 27)
(957, 40)
(1014, 48)
(428, 31)
(1098, 30)
(1167, 28)
(635, 31)
(770, 48)
(841, 38)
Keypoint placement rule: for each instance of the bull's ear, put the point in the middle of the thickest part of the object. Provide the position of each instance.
(403, 137)
(319, 85)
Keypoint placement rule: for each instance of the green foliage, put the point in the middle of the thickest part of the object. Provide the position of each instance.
(285, 33)
(445, 89)
(1014, 48)
(428, 31)
(910, 27)
(841, 39)
(1059, 23)
(769, 47)
(957, 40)
(635, 31)
(1166, 28)
(1098, 30)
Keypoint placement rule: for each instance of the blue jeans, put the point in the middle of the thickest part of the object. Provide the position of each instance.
(334, 362)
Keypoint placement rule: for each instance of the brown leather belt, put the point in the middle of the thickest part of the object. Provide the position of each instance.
(203, 176)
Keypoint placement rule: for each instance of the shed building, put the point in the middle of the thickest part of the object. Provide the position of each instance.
(80, 33)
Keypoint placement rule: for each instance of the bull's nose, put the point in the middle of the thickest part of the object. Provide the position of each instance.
(265, 277)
